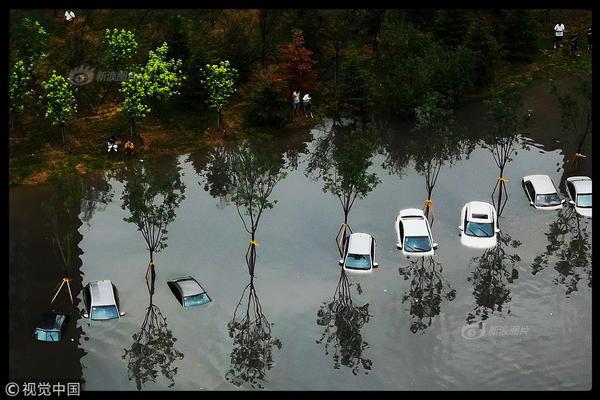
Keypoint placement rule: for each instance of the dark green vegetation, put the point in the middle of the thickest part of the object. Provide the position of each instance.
(197, 77)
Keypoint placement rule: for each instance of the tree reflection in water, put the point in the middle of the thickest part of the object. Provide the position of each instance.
(343, 321)
(254, 173)
(569, 250)
(152, 350)
(428, 289)
(494, 270)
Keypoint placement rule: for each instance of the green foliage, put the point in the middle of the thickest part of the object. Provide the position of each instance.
(481, 41)
(450, 27)
(18, 82)
(355, 89)
(121, 47)
(134, 90)
(268, 105)
(219, 80)
(31, 41)
(58, 99)
(519, 35)
(453, 72)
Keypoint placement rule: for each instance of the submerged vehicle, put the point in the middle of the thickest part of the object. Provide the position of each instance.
(478, 225)
(188, 292)
(414, 233)
(50, 326)
(101, 301)
(579, 189)
(541, 192)
(359, 254)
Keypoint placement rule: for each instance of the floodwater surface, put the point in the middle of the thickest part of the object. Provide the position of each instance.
(283, 315)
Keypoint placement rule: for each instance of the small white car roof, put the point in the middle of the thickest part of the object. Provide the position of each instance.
(359, 243)
(102, 293)
(407, 212)
(582, 184)
(189, 287)
(415, 227)
(477, 208)
(542, 184)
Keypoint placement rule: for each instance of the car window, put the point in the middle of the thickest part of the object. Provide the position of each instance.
(584, 200)
(197, 300)
(529, 187)
(176, 292)
(401, 230)
(479, 229)
(87, 297)
(104, 312)
(358, 261)
(417, 243)
(46, 336)
(571, 189)
(547, 200)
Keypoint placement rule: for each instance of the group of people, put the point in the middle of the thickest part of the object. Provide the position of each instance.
(113, 145)
(306, 101)
(559, 32)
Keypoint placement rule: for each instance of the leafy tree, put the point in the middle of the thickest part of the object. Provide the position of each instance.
(31, 42)
(18, 83)
(267, 19)
(135, 104)
(450, 27)
(236, 43)
(219, 80)
(297, 65)
(519, 35)
(59, 102)
(340, 26)
(481, 41)
(121, 47)
(452, 72)
(268, 105)
(354, 93)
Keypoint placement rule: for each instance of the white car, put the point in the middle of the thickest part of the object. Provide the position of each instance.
(541, 192)
(101, 301)
(478, 225)
(359, 254)
(414, 233)
(579, 189)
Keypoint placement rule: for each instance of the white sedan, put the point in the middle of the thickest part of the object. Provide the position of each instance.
(579, 189)
(359, 255)
(478, 225)
(414, 233)
(541, 192)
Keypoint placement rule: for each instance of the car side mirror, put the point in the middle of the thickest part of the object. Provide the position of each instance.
(562, 201)
(571, 202)
(86, 315)
(375, 265)
(341, 262)
(531, 203)
(460, 227)
(122, 313)
(435, 246)
(497, 230)
(398, 246)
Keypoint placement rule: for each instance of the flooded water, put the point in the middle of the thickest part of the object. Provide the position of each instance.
(517, 316)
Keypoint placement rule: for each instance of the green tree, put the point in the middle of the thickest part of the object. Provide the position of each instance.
(121, 46)
(268, 103)
(59, 102)
(354, 93)
(18, 83)
(219, 80)
(450, 27)
(519, 35)
(31, 42)
(481, 41)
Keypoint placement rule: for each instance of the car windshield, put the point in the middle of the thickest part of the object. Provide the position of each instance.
(46, 336)
(196, 300)
(417, 243)
(584, 200)
(479, 229)
(547, 200)
(104, 312)
(358, 261)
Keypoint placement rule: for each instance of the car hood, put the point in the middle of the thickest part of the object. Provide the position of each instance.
(584, 212)
(478, 242)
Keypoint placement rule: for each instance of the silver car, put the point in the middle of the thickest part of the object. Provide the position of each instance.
(188, 292)
(101, 301)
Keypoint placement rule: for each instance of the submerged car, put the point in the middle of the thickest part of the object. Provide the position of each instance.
(359, 254)
(579, 189)
(478, 225)
(50, 326)
(188, 292)
(414, 233)
(101, 301)
(541, 192)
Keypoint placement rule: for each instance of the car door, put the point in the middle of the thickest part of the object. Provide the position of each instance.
(530, 191)
(401, 227)
(571, 190)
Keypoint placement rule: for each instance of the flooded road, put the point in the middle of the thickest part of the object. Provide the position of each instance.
(282, 314)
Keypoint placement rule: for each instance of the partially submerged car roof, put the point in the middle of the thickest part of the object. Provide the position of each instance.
(582, 184)
(480, 211)
(415, 227)
(51, 321)
(102, 293)
(189, 286)
(542, 184)
(359, 243)
(411, 212)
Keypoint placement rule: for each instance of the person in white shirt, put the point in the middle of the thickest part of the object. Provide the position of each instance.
(559, 31)
(69, 16)
(306, 100)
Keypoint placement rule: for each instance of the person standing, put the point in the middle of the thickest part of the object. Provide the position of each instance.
(559, 30)
(69, 16)
(306, 100)
(574, 45)
(296, 102)
(589, 38)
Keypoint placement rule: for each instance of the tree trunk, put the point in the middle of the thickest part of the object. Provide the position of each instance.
(133, 128)
(63, 132)
(337, 65)
(219, 119)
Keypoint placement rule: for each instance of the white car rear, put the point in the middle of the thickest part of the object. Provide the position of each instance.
(541, 192)
(478, 225)
(579, 189)
(413, 233)
(359, 254)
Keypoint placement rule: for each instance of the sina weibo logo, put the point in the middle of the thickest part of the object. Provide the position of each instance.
(81, 75)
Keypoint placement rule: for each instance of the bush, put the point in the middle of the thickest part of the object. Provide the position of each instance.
(268, 105)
